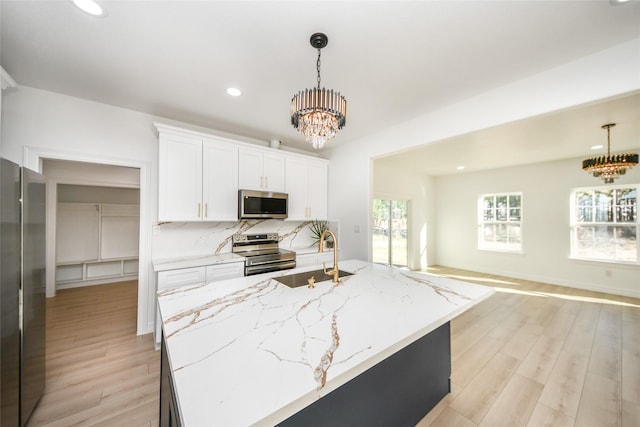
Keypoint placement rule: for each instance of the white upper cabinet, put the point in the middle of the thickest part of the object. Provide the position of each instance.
(197, 179)
(180, 178)
(261, 170)
(199, 176)
(306, 184)
(220, 181)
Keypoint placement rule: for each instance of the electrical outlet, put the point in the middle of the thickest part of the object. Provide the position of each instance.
(356, 229)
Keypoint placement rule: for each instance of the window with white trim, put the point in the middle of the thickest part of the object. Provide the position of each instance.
(604, 223)
(500, 222)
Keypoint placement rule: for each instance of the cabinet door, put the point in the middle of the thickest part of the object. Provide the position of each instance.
(173, 279)
(181, 277)
(273, 168)
(305, 260)
(326, 257)
(296, 187)
(250, 168)
(179, 178)
(220, 181)
(225, 271)
(317, 190)
(78, 231)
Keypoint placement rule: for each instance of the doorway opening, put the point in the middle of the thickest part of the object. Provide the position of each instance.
(390, 232)
(93, 218)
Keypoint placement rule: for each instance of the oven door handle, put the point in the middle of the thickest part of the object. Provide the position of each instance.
(273, 261)
(248, 271)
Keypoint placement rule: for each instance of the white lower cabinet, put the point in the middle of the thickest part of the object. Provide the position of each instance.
(326, 257)
(224, 271)
(304, 260)
(191, 276)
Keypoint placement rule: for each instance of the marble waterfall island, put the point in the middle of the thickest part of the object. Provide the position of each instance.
(252, 351)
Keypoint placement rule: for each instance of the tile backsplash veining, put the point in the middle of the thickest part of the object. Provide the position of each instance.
(179, 239)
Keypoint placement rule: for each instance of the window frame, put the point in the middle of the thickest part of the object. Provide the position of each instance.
(482, 222)
(574, 224)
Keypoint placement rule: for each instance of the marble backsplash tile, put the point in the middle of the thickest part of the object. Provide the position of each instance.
(178, 239)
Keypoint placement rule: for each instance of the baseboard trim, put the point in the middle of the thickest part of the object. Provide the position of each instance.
(555, 281)
(94, 282)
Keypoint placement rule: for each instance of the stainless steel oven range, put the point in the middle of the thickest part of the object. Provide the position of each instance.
(262, 253)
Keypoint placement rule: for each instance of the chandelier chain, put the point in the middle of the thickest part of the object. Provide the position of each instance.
(318, 68)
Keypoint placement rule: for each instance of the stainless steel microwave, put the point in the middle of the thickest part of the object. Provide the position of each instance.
(262, 204)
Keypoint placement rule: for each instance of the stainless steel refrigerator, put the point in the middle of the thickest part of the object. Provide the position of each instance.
(22, 292)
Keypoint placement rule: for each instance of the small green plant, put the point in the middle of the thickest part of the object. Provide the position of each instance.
(317, 228)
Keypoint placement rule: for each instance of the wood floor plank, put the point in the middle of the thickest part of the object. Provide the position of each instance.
(630, 414)
(521, 342)
(563, 388)
(470, 363)
(515, 404)
(601, 403)
(544, 416)
(631, 356)
(476, 398)
(450, 418)
(540, 360)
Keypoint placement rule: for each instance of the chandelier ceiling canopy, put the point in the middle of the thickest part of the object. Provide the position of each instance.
(318, 113)
(609, 167)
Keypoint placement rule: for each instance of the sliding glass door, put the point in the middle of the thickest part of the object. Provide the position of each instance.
(390, 232)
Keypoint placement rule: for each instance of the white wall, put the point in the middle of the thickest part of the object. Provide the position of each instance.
(546, 189)
(612, 72)
(608, 73)
(419, 190)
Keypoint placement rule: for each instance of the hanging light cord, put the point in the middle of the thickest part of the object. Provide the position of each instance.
(318, 68)
(608, 139)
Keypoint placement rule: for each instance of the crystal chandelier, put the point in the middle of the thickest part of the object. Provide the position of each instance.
(610, 167)
(318, 113)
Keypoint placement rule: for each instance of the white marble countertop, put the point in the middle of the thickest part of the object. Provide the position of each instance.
(251, 351)
(194, 261)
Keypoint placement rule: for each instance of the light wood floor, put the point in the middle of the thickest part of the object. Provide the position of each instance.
(98, 371)
(530, 355)
(542, 355)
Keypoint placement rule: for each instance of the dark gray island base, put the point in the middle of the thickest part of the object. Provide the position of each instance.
(399, 391)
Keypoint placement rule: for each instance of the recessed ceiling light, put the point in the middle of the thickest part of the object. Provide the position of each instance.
(460, 168)
(597, 147)
(617, 2)
(234, 91)
(90, 6)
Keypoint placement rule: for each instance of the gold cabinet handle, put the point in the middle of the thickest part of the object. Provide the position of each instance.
(206, 210)
(198, 210)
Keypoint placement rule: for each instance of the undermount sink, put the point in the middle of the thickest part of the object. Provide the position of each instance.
(302, 279)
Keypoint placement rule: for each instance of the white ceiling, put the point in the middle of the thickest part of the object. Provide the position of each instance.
(563, 134)
(392, 60)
